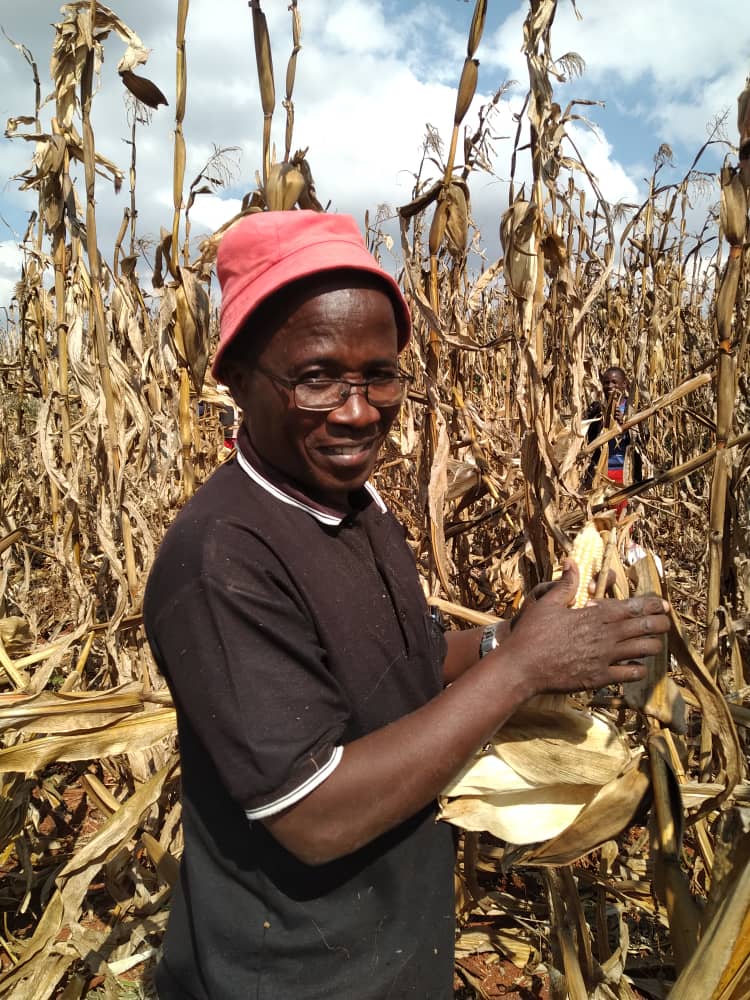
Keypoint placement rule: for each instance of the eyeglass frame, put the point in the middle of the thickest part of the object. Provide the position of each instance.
(288, 383)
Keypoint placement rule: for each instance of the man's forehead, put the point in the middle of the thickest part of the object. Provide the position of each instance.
(317, 293)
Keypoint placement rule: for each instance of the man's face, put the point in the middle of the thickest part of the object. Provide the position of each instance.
(614, 382)
(339, 332)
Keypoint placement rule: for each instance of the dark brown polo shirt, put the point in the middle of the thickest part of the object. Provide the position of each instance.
(285, 632)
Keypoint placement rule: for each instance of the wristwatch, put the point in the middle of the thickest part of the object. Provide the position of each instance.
(489, 640)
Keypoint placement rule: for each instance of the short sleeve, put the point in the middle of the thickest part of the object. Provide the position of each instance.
(245, 665)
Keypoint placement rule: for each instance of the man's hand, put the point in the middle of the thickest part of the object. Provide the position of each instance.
(391, 773)
(565, 649)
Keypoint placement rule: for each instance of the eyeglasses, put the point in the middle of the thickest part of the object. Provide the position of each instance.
(330, 393)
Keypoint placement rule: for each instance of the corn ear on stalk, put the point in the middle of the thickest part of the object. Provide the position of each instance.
(588, 553)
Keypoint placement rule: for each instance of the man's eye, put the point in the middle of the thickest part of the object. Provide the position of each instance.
(310, 378)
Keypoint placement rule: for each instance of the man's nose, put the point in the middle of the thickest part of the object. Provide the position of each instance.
(356, 408)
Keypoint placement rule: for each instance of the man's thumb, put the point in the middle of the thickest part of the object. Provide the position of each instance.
(567, 587)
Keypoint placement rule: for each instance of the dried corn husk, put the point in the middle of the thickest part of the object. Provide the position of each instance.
(657, 695)
(457, 218)
(519, 233)
(540, 771)
(733, 206)
(467, 87)
(284, 186)
(15, 634)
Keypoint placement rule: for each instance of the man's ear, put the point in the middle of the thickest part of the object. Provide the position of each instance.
(237, 379)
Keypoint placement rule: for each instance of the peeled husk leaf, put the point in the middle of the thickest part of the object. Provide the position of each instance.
(607, 814)
(540, 771)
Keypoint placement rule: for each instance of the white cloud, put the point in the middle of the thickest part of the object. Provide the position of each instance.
(10, 269)
(357, 27)
(370, 76)
(210, 212)
(677, 63)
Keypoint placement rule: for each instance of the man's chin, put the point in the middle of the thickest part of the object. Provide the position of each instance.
(335, 489)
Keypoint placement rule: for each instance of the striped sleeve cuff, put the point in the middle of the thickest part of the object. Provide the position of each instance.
(290, 798)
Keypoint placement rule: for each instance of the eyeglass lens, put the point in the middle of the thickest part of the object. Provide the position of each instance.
(328, 395)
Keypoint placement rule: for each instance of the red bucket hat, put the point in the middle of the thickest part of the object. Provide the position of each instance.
(265, 251)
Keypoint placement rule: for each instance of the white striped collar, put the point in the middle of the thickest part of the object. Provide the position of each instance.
(327, 517)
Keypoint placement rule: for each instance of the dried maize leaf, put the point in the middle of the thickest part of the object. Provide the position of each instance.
(49, 155)
(167, 866)
(25, 978)
(670, 881)
(138, 733)
(511, 942)
(15, 792)
(719, 967)
(715, 712)
(49, 712)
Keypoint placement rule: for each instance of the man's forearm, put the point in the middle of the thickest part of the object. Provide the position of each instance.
(463, 648)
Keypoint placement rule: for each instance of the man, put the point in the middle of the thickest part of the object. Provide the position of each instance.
(620, 450)
(320, 713)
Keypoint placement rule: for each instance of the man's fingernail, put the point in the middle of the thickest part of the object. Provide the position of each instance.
(665, 605)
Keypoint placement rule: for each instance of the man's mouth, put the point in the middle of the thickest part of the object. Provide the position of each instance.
(347, 449)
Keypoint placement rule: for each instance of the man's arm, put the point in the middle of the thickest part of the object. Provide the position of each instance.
(463, 648)
(392, 773)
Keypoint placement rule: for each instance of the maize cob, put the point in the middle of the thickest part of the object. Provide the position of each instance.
(588, 553)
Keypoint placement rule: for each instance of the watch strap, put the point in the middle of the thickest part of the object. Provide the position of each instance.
(488, 641)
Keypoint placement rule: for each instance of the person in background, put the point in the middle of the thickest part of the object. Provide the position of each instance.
(320, 710)
(621, 453)
(229, 420)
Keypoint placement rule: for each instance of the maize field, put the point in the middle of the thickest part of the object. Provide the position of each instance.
(637, 880)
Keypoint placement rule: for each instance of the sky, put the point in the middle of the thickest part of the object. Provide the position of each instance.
(371, 76)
